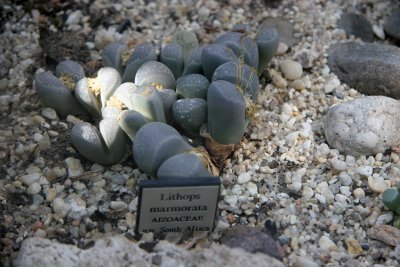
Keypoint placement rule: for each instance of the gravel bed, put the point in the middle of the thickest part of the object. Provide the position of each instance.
(326, 206)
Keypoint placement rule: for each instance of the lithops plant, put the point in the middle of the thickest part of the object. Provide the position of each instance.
(113, 56)
(145, 99)
(143, 53)
(93, 93)
(391, 199)
(184, 165)
(187, 40)
(154, 143)
(104, 146)
(190, 114)
(57, 92)
(192, 86)
(214, 56)
(155, 73)
(242, 45)
(172, 57)
(267, 40)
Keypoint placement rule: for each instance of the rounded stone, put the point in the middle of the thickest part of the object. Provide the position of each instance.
(244, 178)
(291, 69)
(364, 126)
(372, 69)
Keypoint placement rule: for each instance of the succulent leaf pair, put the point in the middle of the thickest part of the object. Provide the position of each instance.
(57, 91)
(160, 151)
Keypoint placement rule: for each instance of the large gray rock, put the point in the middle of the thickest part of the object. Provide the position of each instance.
(119, 251)
(392, 24)
(364, 126)
(357, 25)
(372, 69)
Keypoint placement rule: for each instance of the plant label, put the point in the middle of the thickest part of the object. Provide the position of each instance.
(177, 204)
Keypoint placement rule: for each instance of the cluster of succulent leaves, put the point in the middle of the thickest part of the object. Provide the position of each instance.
(162, 105)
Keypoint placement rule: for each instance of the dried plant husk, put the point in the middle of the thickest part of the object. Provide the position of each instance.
(218, 152)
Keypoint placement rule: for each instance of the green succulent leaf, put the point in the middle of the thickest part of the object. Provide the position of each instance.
(70, 71)
(267, 41)
(156, 74)
(242, 45)
(190, 114)
(168, 98)
(143, 53)
(105, 146)
(185, 166)
(215, 55)
(192, 86)
(131, 121)
(187, 40)
(193, 64)
(172, 57)
(226, 113)
(113, 56)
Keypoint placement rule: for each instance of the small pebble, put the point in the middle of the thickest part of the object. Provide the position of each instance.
(74, 167)
(290, 69)
(298, 85)
(30, 178)
(353, 246)
(359, 193)
(326, 243)
(244, 178)
(377, 185)
(34, 188)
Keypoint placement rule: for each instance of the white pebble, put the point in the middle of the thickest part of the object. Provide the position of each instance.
(326, 243)
(377, 185)
(231, 200)
(345, 190)
(358, 193)
(118, 205)
(30, 178)
(364, 170)
(252, 188)
(345, 178)
(74, 18)
(331, 83)
(338, 164)
(34, 188)
(385, 218)
(290, 69)
(307, 193)
(74, 166)
(49, 113)
(244, 178)
(378, 32)
(59, 207)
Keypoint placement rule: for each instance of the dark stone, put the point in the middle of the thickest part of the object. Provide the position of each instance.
(372, 69)
(392, 24)
(251, 240)
(357, 25)
(271, 228)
